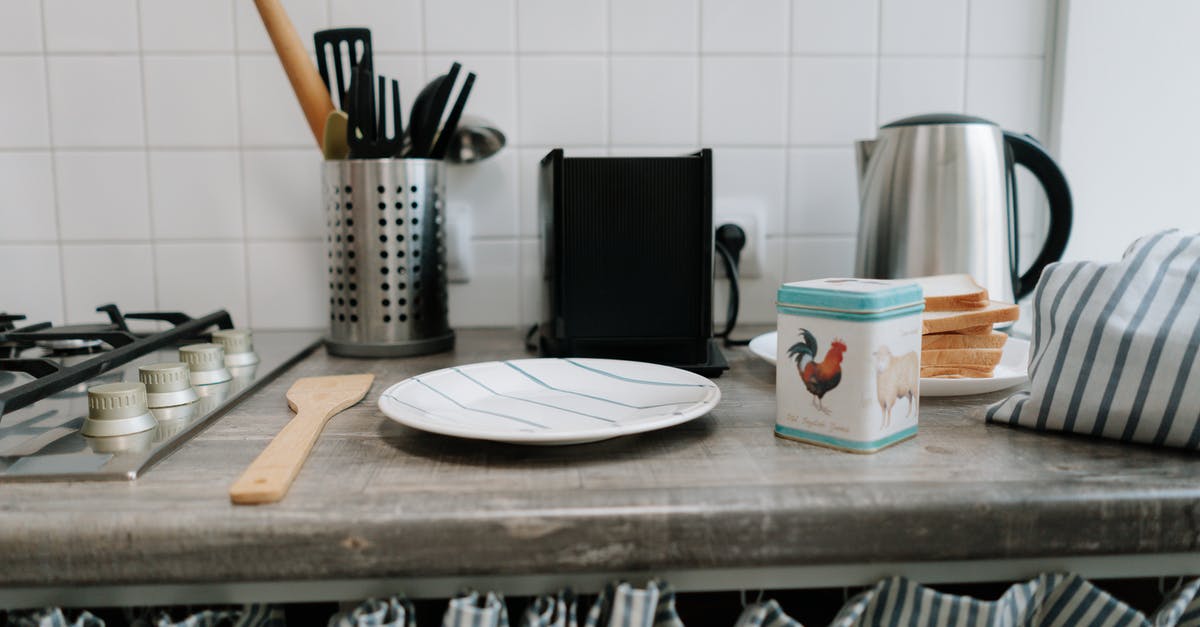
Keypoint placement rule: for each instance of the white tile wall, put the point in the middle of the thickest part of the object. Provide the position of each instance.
(27, 204)
(744, 26)
(161, 160)
(102, 195)
(847, 27)
(96, 101)
(186, 26)
(196, 194)
(191, 101)
(562, 26)
(655, 101)
(91, 25)
(32, 128)
(908, 86)
(745, 100)
(923, 27)
(655, 25)
(20, 26)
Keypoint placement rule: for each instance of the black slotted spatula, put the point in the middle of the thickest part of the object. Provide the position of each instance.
(330, 45)
(367, 131)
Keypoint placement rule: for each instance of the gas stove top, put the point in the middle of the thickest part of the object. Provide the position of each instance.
(46, 372)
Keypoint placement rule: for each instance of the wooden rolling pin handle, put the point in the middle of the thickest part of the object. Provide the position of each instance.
(268, 478)
(301, 72)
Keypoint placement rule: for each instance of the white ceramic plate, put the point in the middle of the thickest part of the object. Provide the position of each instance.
(549, 401)
(1012, 369)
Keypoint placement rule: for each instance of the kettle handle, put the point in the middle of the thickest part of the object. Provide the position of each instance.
(1028, 152)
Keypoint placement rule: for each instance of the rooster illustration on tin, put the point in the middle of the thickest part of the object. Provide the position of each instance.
(819, 377)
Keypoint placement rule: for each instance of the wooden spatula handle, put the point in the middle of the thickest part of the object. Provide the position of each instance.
(268, 478)
(306, 82)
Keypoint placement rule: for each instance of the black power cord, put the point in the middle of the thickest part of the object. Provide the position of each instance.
(730, 241)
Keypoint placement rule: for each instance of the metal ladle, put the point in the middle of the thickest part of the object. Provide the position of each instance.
(475, 139)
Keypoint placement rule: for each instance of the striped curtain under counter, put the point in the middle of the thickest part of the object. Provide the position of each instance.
(1050, 600)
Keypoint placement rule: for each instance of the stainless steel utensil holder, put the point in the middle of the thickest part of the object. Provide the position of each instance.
(387, 269)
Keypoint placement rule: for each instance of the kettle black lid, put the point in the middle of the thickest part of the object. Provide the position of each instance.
(938, 118)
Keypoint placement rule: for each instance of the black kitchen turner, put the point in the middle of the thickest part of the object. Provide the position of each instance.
(367, 133)
(341, 46)
(447, 133)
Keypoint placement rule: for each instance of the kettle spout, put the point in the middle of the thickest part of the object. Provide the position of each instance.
(862, 154)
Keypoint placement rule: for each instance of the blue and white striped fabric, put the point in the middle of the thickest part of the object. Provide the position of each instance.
(622, 605)
(51, 617)
(1181, 608)
(766, 614)
(472, 609)
(1115, 347)
(551, 611)
(392, 612)
(1051, 600)
(254, 615)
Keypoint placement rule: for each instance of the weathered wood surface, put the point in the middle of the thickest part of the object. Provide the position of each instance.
(377, 499)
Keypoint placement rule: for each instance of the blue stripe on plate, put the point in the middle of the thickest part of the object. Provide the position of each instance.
(591, 396)
(630, 380)
(526, 400)
(482, 411)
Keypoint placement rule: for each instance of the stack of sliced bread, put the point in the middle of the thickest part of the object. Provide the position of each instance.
(957, 337)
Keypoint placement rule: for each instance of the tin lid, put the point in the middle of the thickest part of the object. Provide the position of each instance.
(850, 295)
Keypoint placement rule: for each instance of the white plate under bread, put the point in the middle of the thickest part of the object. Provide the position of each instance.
(1011, 371)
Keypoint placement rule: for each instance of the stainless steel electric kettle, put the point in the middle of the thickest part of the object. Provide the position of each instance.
(938, 196)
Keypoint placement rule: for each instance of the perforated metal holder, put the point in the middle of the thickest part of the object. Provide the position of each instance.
(386, 257)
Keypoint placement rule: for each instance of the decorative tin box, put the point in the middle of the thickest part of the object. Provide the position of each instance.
(848, 362)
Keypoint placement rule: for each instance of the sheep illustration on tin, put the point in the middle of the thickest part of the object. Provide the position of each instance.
(896, 377)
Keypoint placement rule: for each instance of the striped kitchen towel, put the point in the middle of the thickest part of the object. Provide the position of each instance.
(1115, 347)
(765, 614)
(551, 611)
(622, 605)
(392, 612)
(472, 609)
(252, 615)
(50, 617)
(1051, 600)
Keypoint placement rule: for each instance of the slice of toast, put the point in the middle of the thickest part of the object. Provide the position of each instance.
(952, 292)
(966, 357)
(955, 372)
(954, 339)
(941, 321)
(983, 329)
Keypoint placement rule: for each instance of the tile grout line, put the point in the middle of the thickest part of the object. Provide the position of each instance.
(62, 262)
(878, 60)
(146, 160)
(787, 134)
(966, 52)
(522, 288)
(608, 67)
(237, 93)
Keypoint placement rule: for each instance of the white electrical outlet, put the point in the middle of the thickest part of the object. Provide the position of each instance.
(751, 215)
(458, 243)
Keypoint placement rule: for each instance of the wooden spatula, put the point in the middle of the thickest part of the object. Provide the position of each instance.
(306, 82)
(315, 400)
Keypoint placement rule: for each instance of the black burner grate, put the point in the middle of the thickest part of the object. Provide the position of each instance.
(51, 378)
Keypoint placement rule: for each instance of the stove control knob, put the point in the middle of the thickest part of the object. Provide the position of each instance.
(207, 363)
(167, 384)
(117, 409)
(238, 345)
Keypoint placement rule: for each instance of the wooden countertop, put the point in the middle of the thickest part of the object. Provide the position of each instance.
(380, 500)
